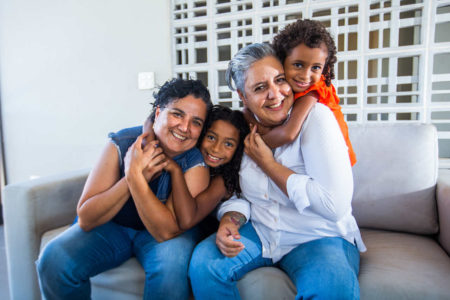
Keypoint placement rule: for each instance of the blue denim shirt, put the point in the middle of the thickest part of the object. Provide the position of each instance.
(161, 186)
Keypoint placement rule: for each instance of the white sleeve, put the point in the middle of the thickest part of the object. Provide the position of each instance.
(234, 204)
(327, 185)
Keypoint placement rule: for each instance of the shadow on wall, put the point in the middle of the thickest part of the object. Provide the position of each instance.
(2, 164)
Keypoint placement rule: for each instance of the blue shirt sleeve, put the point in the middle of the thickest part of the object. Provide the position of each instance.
(190, 159)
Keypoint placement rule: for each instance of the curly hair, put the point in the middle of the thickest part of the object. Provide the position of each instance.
(230, 170)
(311, 33)
(178, 88)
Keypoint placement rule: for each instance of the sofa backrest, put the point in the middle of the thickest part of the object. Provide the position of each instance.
(395, 177)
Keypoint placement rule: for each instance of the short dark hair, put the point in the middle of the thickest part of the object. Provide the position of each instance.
(230, 170)
(178, 88)
(312, 34)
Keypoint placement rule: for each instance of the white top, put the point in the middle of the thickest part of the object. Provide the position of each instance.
(320, 192)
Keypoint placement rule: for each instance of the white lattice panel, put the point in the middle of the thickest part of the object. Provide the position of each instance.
(393, 56)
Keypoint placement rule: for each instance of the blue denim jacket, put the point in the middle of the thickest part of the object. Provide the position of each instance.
(161, 186)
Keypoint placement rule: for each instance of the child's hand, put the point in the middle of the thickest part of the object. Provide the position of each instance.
(171, 165)
(147, 161)
(157, 162)
(148, 128)
(257, 149)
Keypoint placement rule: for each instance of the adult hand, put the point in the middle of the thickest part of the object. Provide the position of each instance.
(158, 161)
(225, 238)
(148, 160)
(155, 166)
(257, 150)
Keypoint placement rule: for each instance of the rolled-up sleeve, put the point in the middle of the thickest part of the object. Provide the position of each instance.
(296, 188)
(234, 204)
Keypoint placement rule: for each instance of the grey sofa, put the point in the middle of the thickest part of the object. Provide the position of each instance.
(400, 202)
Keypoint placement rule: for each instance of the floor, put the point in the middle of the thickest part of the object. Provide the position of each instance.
(4, 290)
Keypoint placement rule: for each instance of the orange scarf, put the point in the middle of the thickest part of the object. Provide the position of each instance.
(328, 97)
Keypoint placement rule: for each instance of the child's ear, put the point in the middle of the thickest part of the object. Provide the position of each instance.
(242, 97)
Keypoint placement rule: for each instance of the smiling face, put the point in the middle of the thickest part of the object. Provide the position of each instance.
(220, 143)
(304, 66)
(267, 93)
(178, 126)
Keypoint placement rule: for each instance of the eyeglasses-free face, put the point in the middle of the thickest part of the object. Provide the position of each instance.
(220, 143)
(179, 125)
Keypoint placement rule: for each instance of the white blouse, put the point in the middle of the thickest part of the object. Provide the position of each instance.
(320, 192)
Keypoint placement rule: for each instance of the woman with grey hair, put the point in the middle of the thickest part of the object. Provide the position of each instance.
(295, 210)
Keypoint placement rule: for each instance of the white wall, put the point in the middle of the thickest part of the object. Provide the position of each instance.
(68, 76)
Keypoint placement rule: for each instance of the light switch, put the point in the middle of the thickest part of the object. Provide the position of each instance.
(146, 80)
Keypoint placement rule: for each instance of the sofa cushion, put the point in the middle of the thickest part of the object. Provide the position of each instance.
(395, 185)
(51, 234)
(126, 282)
(403, 266)
(395, 266)
(266, 283)
(128, 278)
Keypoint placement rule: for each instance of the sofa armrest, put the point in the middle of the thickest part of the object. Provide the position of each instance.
(31, 208)
(443, 205)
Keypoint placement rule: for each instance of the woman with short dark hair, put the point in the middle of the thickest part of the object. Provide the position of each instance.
(126, 208)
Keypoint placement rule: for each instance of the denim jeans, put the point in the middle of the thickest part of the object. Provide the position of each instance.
(326, 268)
(68, 261)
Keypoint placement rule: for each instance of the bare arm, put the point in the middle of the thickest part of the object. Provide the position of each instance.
(248, 116)
(158, 218)
(286, 133)
(196, 181)
(148, 128)
(104, 193)
(190, 210)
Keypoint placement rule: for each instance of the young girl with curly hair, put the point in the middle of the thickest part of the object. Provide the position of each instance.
(308, 54)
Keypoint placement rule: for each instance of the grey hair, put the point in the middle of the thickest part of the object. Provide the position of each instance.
(242, 61)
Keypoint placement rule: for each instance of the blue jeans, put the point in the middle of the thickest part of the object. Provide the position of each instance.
(68, 261)
(326, 268)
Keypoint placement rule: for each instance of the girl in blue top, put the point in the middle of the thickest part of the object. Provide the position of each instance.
(221, 146)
